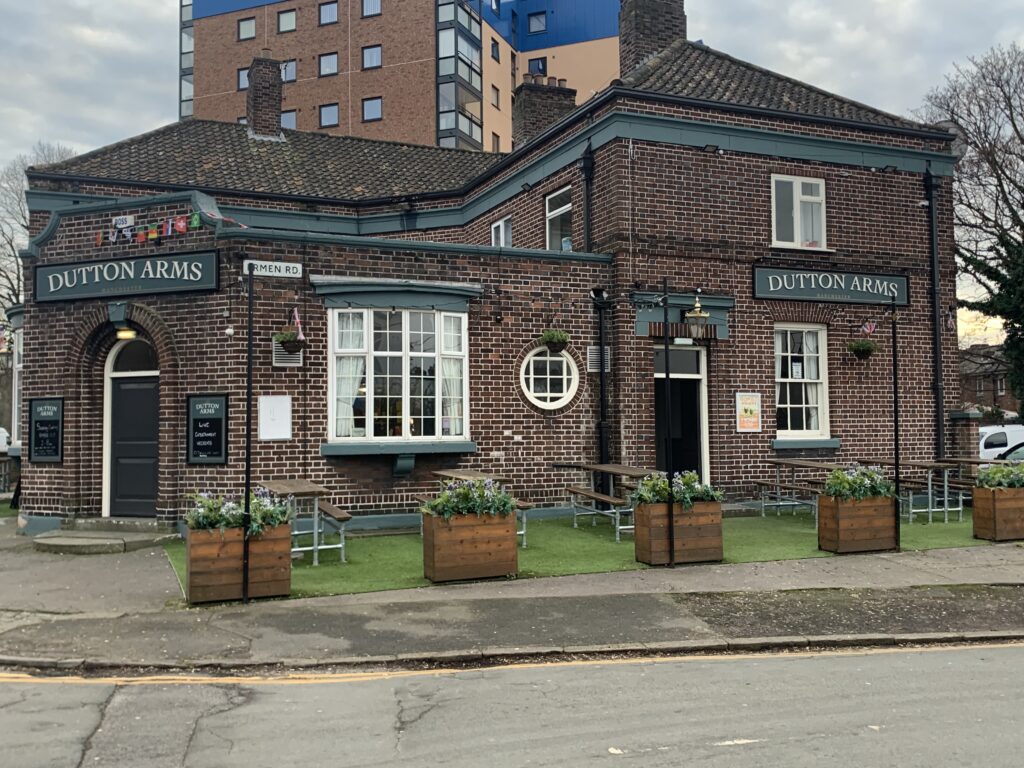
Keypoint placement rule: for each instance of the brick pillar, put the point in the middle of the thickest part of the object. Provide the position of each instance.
(263, 99)
(965, 436)
(537, 105)
(647, 27)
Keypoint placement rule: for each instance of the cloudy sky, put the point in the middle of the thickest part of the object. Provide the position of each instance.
(87, 73)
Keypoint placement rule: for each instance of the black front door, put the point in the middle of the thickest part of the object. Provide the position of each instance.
(134, 430)
(687, 432)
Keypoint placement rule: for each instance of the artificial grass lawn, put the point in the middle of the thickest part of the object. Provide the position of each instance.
(6, 511)
(380, 563)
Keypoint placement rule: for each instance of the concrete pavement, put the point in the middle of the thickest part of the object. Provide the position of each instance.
(125, 610)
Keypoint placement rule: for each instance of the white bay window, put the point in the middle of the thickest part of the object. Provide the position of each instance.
(798, 212)
(801, 381)
(398, 375)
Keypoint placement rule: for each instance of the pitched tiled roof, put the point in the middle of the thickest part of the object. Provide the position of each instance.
(213, 155)
(695, 71)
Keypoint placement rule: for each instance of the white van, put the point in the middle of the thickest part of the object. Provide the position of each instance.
(997, 439)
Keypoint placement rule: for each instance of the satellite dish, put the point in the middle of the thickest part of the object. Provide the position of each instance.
(959, 145)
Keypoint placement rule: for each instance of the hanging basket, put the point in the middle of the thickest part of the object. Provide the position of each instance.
(557, 347)
(862, 350)
(290, 342)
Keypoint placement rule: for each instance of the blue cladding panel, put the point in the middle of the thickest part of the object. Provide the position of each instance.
(203, 8)
(568, 21)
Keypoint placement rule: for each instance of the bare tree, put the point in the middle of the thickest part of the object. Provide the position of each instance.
(14, 215)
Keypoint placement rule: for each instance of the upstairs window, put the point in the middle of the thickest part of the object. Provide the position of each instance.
(328, 64)
(371, 8)
(501, 233)
(373, 57)
(373, 109)
(538, 22)
(247, 28)
(289, 71)
(243, 79)
(288, 119)
(286, 21)
(558, 209)
(495, 50)
(798, 212)
(328, 13)
(538, 66)
(328, 115)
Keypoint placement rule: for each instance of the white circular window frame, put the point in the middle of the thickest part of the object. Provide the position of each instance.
(571, 390)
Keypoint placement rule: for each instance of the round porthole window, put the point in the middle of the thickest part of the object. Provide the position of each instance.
(549, 379)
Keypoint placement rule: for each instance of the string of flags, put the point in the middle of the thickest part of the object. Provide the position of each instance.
(124, 229)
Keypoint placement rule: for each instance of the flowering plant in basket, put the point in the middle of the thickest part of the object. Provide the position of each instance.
(858, 483)
(215, 512)
(471, 497)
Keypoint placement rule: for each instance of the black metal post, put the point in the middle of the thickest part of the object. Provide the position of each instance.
(932, 186)
(247, 514)
(896, 416)
(604, 449)
(668, 432)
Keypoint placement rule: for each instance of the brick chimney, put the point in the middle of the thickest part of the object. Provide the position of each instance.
(263, 99)
(537, 105)
(647, 27)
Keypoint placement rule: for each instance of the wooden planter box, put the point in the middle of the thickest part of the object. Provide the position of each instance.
(865, 525)
(469, 547)
(215, 564)
(998, 514)
(698, 533)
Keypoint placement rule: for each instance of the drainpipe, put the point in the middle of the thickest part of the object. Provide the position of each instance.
(931, 187)
(587, 165)
(600, 299)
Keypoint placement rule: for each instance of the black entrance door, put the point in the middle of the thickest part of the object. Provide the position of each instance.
(134, 428)
(687, 432)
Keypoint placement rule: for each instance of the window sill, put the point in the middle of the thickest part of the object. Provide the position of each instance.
(382, 448)
(796, 444)
(14, 450)
(800, 248)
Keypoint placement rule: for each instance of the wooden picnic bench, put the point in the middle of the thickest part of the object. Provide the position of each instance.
(584, 502)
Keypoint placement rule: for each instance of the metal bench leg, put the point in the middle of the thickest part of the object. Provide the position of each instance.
(616, 511)
(341, 532)
(574, 510)
(524, 529)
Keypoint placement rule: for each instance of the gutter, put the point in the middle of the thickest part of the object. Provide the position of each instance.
(931, 187)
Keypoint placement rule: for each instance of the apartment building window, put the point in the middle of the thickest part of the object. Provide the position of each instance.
(371, 8)
(798, 212)
(373, 57)
(242, 120)
(289, 71)
(188, 47)
(1000, 387)
(286, 21)
(495, 50)
(328, 14)
(328, 64)
(501, 231)
(328, 115)
(538, 66)
(495, 142)
(243, 79)
(288, 119)
(247, 28)
(398, 375)
(496, 6)
(187, 92)
(373, 109)
(558, 207)
(801, 381)
(537, 22)
(495, 97)
(186, 10)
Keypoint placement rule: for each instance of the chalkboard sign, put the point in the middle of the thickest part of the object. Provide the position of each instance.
(46, 430)
(207, 429)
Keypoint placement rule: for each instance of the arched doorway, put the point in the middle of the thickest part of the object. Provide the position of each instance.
(131, 429)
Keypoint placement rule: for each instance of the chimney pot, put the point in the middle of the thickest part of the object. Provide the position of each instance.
(534, 110)
(647, 27)
(552, 81)
(263, 99)
(562, 82)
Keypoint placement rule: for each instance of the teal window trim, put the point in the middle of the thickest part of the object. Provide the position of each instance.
(397, 448)
(679, 303)
(16, 316)
(340, 293)
(796, 445)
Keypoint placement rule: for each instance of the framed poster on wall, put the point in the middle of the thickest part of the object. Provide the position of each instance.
(748, 411)
(207, 429)
(46, 430)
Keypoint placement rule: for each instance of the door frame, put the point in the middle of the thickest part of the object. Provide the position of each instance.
(108, 390)
(705, 449)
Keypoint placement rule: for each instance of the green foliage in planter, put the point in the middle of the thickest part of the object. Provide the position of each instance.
(554, 336)
(283, 336)
(471, 497)
(863, 347)
(685, 488)
(1002, 476)
(215, 512)
(858, 483)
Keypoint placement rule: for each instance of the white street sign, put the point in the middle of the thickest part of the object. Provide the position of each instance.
(273, 269)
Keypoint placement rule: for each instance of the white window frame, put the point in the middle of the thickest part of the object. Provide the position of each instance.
(17, 363)
(498, 231)
(1001, 386)
(551, 214)
(282, 15)
(367, 350)
(245, 21)
(799, 197)
(824, 428)
(573, 384)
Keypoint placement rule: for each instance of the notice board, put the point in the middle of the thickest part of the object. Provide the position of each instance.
(46, 430)
(207, 429)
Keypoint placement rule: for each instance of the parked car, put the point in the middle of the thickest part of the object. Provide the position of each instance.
(1016, 453)
(996, 440)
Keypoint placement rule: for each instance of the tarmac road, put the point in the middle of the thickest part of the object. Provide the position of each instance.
(895, 707)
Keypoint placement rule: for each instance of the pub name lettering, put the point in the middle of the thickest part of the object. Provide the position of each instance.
(832, 282)
(111, 271)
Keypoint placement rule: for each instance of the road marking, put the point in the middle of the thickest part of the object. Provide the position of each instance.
(310, 678)
(737, 742)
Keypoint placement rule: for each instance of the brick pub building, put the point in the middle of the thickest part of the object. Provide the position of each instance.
(423, 278)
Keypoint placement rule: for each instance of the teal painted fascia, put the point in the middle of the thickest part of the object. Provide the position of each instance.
(14, 450)
(424, 246)
(394, 293)
(15, 315)
(201, 203)
(953, 416)
(46, 200)
(385, 448)
(718, 308)
(796, 445)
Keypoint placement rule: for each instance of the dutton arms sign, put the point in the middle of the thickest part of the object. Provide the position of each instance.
(829, 286)
(127, 277)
